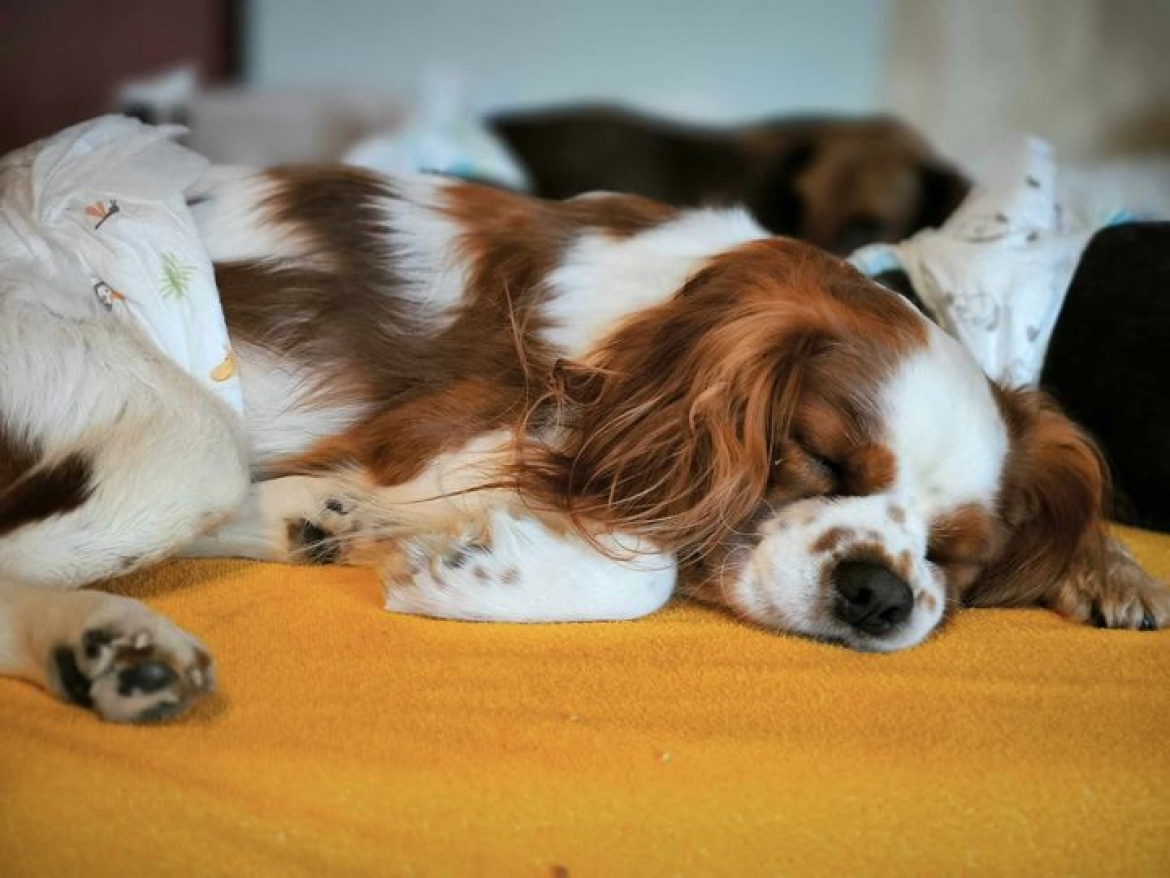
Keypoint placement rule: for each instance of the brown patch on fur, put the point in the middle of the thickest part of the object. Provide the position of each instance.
(962, 535)
(904, 565)
(832, 538)
(897, 514)
(868, 469)
(32, 490)
(961, 543)
(425, 390)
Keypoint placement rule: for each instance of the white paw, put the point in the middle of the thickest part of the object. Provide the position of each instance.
(129, 664)
(514, 569)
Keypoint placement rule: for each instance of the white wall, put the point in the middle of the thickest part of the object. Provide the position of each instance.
(718, 60)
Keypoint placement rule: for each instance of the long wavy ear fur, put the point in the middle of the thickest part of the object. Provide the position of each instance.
(1052, 503)
(670, 432)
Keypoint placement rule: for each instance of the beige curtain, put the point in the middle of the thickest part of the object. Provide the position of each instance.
(1091, 76)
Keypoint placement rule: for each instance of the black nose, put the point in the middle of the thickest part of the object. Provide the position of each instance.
(870, 597)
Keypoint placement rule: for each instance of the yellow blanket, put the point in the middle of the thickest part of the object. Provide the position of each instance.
(349, 740)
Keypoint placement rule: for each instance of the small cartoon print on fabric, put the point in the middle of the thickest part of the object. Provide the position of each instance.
(226, 369)
(107, 295)
(176, 277)
(102, 211)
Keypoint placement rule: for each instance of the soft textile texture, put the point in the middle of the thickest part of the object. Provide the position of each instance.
(98, 213)
(996, 273)
(346, 739)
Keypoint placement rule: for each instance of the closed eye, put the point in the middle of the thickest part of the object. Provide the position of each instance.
(830, 467)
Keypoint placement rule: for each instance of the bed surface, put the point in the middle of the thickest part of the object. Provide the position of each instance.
(348, 740)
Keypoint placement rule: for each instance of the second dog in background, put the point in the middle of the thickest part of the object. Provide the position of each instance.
(837, 182)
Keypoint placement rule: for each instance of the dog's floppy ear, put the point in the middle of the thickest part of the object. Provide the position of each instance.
(1059, 552)
(672, 427)
(1052, 503)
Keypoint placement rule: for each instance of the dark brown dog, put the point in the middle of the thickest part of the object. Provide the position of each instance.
(838, 183)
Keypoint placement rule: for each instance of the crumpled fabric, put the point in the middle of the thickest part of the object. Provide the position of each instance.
(440, 135)
(98, 212)
(996, 274)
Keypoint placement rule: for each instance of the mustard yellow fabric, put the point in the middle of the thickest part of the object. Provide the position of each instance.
(347, 740)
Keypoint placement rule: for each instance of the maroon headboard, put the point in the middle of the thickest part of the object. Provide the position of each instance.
(62, 60)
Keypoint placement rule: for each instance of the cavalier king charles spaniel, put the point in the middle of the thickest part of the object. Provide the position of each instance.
(527, 410)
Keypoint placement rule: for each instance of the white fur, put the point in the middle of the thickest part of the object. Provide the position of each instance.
(167, 459)
(783, 582)
(601, 280)
(944, 428)
(284, 418)
(233, 209)
(525, 572)
(528, 573)
(423, 246)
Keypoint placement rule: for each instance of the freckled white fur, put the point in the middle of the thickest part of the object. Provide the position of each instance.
(602, 279)
(942, 424)
(782, 583)
(527, 573)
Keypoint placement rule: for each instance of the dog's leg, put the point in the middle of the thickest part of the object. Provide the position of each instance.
(1106, 587)
(480, 556)
(113, 458)
(512, 566)
(107, 653)
(295, 519)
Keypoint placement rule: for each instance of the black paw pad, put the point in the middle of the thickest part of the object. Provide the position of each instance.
(146, 677)
(74, 684)
(316, 544)
(94, 640)
(1148, 623)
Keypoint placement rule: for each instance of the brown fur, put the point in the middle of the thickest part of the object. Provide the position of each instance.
(747, 390)
(426, 392)
(32, 489)
(753, 339)
(1052, 501)
(1052, 507)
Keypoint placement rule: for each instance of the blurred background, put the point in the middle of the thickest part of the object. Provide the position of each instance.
(280, 80)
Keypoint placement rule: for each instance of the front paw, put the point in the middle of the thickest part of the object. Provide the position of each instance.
(1115, 593)
(334, 533)
(128, 664)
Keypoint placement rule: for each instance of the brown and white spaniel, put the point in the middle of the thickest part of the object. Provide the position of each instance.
(533, 411)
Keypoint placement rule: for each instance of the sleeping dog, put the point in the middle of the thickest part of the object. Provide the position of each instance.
(527, 410)
(837, 182)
